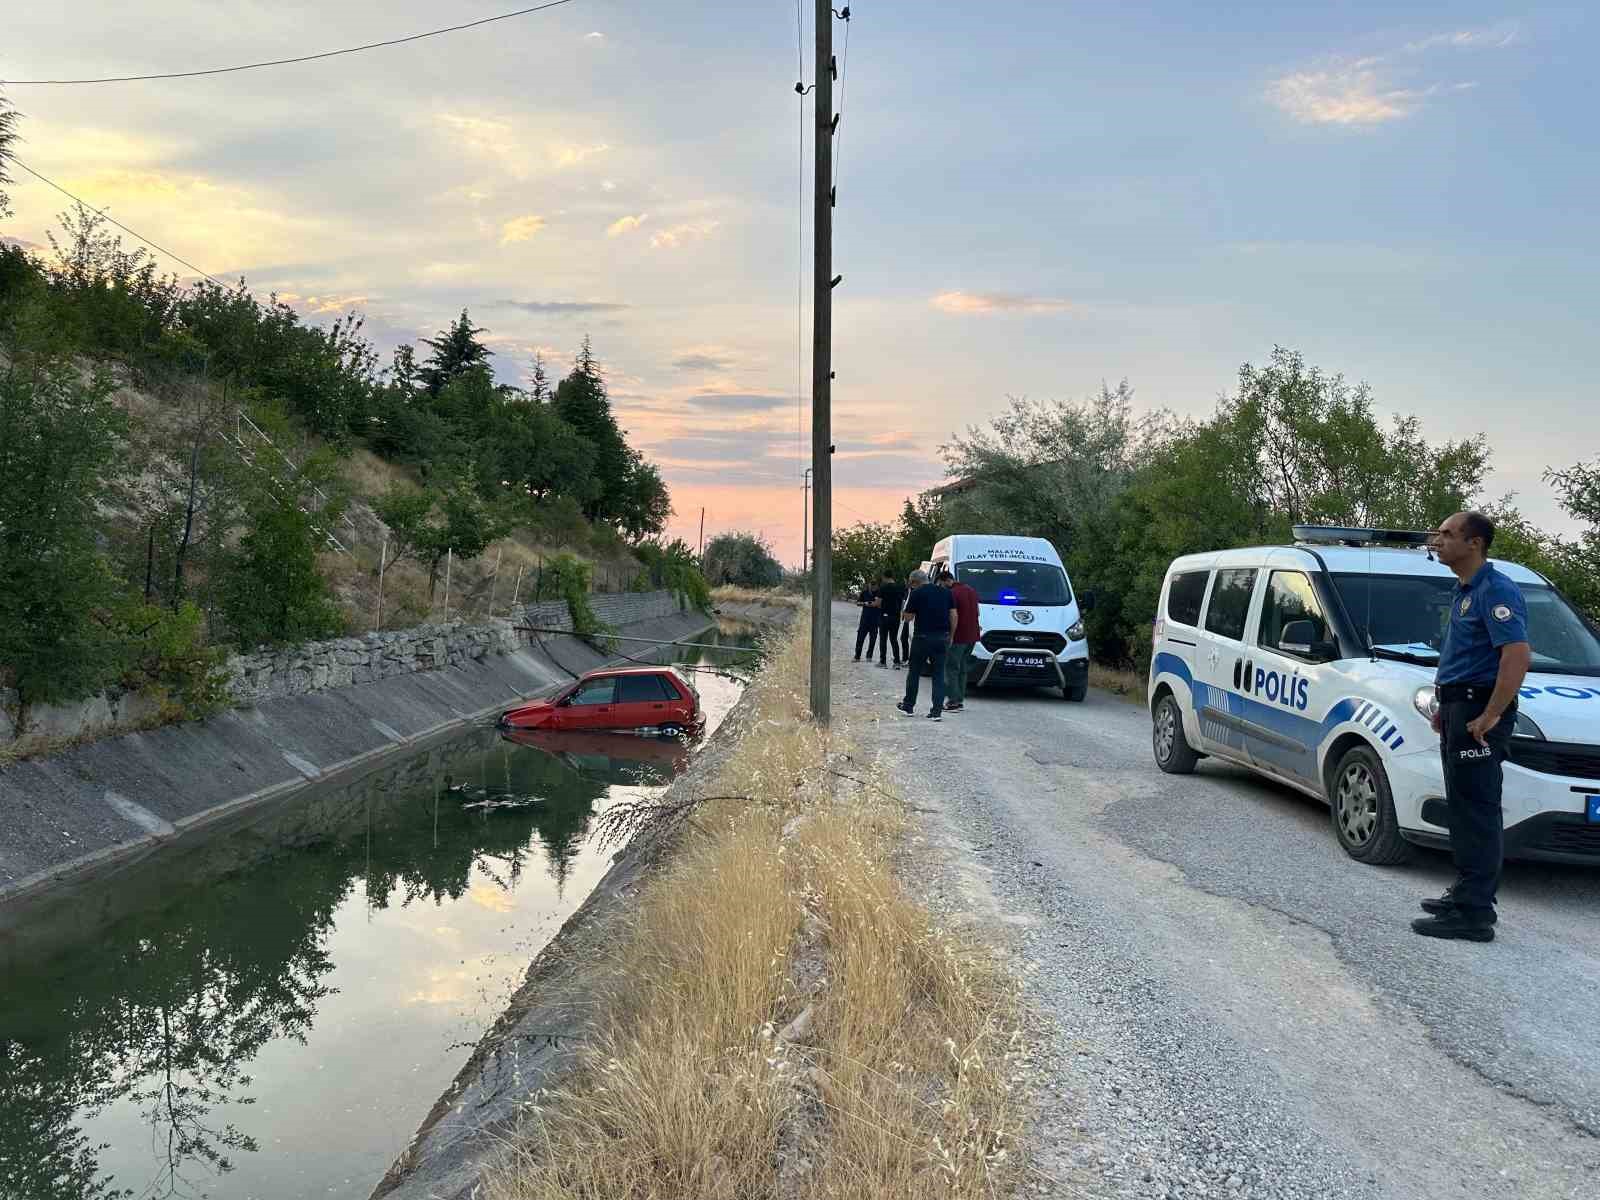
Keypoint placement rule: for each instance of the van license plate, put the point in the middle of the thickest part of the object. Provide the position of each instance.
(1023, 660)
(1594, 810)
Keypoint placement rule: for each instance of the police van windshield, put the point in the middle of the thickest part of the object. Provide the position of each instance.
(1035, 584)
(1409, 614)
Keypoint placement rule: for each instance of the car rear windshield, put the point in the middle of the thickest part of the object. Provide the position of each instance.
(1411, 613)
(1034, 584)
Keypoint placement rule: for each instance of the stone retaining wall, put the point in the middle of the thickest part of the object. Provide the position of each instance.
(340, 663)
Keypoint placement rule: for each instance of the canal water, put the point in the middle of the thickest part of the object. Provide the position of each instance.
(269, 1016)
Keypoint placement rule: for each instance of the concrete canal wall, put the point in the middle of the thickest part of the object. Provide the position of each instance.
(306, 716)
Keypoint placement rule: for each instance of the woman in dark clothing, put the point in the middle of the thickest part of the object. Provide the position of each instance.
(867, 627)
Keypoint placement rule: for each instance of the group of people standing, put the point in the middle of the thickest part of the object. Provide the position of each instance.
(925, 624)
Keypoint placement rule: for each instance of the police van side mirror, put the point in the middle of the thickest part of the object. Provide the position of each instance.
(1086, 601)
(1300, 637)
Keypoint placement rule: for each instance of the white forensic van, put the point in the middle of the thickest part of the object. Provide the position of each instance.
(1031, 623)
(1313, 664)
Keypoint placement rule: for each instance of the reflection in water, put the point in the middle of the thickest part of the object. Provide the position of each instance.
(153, 1033)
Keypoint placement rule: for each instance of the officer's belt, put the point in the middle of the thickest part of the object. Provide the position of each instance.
(1456, 693)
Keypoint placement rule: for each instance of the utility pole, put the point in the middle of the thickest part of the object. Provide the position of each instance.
(805, 520)
(821, 375)
(702, 554)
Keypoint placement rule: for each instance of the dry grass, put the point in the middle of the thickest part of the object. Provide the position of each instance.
(729, 594)
(785, 1021)
(1119, 681)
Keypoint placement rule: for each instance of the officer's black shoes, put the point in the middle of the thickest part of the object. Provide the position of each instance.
(1454, 925)
(1447, 904)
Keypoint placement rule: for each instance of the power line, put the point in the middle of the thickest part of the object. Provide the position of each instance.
(844, 81)
(280, 62)
(132, 233)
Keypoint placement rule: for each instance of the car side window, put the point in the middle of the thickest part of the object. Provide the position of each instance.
(1230, 602)
(1185, 595)
(596, 691)
(1290, 598)
(644, 689)
(637, 689)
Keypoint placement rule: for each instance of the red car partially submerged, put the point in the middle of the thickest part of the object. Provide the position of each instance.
(654, 699)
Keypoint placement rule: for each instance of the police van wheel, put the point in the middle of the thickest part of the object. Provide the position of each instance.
(1174, 755)
(1075, 691)
(1363, 810)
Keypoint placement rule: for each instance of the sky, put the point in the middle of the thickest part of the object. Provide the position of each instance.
(1033, 198)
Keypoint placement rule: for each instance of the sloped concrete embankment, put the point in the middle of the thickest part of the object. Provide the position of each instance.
(93, 808)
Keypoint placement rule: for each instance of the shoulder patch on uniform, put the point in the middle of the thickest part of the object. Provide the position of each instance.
(1502, 612)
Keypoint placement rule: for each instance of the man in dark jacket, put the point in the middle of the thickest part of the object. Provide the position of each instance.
(867, 626)
(891, 598)
(932, 609)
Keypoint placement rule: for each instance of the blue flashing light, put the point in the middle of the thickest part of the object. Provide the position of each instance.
(1009, 597)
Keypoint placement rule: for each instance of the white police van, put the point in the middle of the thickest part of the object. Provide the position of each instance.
(1030, 621)
(1313, 664)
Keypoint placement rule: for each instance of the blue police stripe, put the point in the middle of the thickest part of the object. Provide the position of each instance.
(1307, 732)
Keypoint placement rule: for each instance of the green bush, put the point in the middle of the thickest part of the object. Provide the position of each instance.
(165, 653)
(570, 577)
(673, 566)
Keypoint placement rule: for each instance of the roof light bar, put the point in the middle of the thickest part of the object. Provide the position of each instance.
(1345, 535)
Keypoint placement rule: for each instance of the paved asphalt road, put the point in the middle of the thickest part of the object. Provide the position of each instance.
(1230, 1006)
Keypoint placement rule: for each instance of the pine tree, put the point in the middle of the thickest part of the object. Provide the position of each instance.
(456, 351)
(581, 401)
(541, 382)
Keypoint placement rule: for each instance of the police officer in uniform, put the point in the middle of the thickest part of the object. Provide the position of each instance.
(1483, 662)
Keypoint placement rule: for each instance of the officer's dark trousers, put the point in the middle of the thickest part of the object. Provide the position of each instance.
(867, 635)
(889, 639)
(927, 650)
(1472, 779)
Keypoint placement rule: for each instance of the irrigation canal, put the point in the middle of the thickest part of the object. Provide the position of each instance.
(269, 1015)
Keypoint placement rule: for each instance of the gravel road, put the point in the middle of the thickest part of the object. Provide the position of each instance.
(1230, 1006)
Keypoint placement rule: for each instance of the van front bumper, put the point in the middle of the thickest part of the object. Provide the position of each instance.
(1004, 670)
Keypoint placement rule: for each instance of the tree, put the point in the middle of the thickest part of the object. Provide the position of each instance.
(429, 524)
(527, 451)
(59, 448)
(1575, 565)
(674, 566)
(272, 591)
(645, 504)
(456, 351)
(8, 135)
(581, 401)
(743, 559)
(540, 391)
(863, 552)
